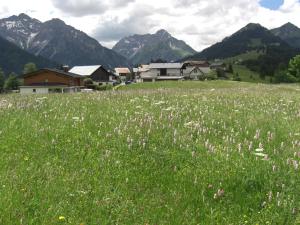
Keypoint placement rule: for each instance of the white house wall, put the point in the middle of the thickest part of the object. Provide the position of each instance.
(153, 73)
(30, 90)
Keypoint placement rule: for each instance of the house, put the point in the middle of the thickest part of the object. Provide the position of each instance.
(196, 73)
(163, 71)
(218, 65)
(123, 73)
(194, 70)
(97, 73)
(138, 71)
(46, 81)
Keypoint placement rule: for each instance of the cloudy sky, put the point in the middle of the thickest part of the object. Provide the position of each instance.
(200, 23)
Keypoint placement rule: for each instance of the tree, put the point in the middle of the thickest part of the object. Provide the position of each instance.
(158, 61)
(221, 73)
(29, 68)
(230, 69)
(282, 76)
(236, 77)
(12, 82)
(294, 67)
(2, 80)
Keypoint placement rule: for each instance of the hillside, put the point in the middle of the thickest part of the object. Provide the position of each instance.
(13, 59)
(57, 41)
(252, 37)
(289, 33)
(211, 153)
(141, 49)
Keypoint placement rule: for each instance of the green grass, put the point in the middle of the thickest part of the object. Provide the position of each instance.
(157, 153)
(247, 75)
(243, 57)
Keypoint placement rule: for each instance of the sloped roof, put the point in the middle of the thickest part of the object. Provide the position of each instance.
(85, 70)
(142, 68)
(122, 70)
(54, 71)
(197, 63)
(165, 65)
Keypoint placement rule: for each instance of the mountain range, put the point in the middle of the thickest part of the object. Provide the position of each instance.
(141, 49)
(272, 48)
(251, 37)
(58, 42)
(25, 39)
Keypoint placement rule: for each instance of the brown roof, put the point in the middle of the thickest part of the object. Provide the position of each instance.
(122, 70)
(197, 63)
(59, 72)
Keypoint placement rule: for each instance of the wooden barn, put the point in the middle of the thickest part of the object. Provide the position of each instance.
(97, 73)
(50, 81)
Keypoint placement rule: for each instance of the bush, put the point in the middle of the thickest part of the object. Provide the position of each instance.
(284, 77)
(92, 86)
(88, 81)
(237, 77)
(210, 76)
(12, 82)
(105, 87)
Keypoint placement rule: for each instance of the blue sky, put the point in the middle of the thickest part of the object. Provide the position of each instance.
(271, 4)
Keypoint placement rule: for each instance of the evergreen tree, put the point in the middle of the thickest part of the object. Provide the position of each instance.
(29, 68)
(12, 82)
(294, 67)
(2, 80)
(230, 69)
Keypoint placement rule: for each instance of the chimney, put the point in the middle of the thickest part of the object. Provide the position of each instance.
(65, 68)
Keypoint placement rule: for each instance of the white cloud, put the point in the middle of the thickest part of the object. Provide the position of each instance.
(198, 22)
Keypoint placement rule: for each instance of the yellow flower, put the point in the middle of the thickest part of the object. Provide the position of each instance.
(62, 218)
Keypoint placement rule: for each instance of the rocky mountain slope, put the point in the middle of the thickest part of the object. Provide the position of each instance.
(57, 41)
(289, 33)
(144, 48)
(13, 59)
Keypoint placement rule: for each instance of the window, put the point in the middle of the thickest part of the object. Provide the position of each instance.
(163, 72)
(34, 90)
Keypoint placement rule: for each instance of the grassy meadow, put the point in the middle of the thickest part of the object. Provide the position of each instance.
(166, 153)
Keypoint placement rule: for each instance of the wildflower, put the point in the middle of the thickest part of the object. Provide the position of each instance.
(168, 109)
(220, 193)
(61, 218)
(260, 154)
(159, 103)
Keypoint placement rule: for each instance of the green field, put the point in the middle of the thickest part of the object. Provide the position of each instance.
(165, 153)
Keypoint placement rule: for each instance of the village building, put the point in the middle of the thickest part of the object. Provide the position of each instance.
(123, 73)
(196, 70)
(218, 65)
(97, 73)
(163, 72)
(46, 81)
(138, 71)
